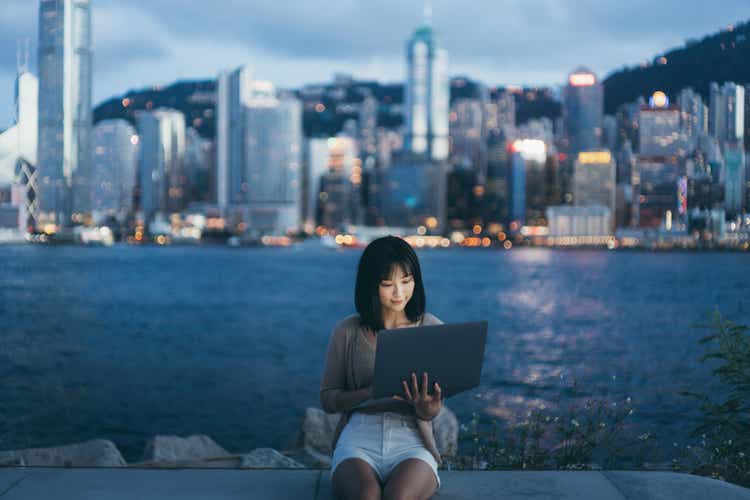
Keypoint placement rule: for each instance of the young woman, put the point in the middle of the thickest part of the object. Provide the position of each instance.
(383, 447)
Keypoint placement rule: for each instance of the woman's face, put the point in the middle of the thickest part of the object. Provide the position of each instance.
(396, 291)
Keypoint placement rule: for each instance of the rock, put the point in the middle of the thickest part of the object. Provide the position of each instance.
(317, 434)
(318, 428)
(268, 457)
(93, 453)
(11, 460)
(179, 449)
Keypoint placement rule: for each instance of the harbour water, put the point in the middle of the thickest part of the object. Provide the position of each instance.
(125, 342)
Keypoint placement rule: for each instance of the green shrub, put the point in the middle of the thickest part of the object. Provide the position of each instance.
(590, 435)
(723, 451)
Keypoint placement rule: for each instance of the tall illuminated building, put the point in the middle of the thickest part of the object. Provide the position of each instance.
(160, 162)
(583, 111)
(427, 94)
(466, 133)
(692, 114)
(65, 119)
(659, 128)
(115, 163)
(660, 165)
(497, 187)
(726, 117)
(273, 160)
(532, 180)
(414, 193)
(333, 176)
(658, 190)
(234, 91)
(733, 176)
(594, 179)
(18, 151)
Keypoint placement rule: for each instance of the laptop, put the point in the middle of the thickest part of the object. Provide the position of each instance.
(451, 354)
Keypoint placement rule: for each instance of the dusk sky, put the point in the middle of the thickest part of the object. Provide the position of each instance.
(139, 43)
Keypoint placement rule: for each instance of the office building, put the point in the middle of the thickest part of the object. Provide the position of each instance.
(415, 193)
(234, 91)
(333, 182)
(660, 132)
(273, 156)
(583, 111)
(115, 163)
(726, 118)
(427, 94)
(594, 179)
(160, 162)
(65, 119)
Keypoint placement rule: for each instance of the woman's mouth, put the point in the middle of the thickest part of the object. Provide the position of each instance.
(396, 301)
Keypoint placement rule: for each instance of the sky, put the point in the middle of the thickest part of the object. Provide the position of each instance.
(139, 43)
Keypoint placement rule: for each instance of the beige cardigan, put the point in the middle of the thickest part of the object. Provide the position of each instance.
(349, 365)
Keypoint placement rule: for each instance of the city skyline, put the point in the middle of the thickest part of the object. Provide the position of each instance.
(304, 43)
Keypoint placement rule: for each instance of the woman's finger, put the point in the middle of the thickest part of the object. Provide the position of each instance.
(438, 392)
(406, 390)
(424, 385)
(415, 386)
(396, 396)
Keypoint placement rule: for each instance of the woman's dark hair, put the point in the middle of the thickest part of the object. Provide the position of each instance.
(376, 264)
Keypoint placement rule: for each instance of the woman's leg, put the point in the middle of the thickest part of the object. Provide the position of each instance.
(354, 479)
(412, 479)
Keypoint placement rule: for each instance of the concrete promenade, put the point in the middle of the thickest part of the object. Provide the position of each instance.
(119, 483)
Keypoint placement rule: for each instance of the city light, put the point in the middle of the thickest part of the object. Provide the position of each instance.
(594, 157)
(658, 100)
(582, 79)
(530, 149)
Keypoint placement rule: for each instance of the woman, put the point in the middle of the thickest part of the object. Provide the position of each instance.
(383, 447)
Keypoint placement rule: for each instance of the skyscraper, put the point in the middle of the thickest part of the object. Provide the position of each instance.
(65, 74)
(233, 93)
(115, 163)
(583, 111)
(658, 190)
(660, 132)
(692, 114)
(726, 117)
(18, 149)
(466, 131)
(427, 94)
(273, 156)
(162, 148)
(333, 166)
(497, 188)
(733, 176)
(594, 179)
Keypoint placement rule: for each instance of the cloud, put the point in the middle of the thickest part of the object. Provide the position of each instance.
(17, 23)
(123, 35)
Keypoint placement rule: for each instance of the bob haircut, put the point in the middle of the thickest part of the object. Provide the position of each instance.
(377, 263)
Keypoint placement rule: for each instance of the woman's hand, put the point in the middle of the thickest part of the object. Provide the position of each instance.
(426, 405)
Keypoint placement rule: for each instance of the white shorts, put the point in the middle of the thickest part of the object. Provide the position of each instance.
(383, 440)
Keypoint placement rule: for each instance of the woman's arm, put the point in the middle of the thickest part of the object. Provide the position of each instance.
(346, 400)
(335, 397)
